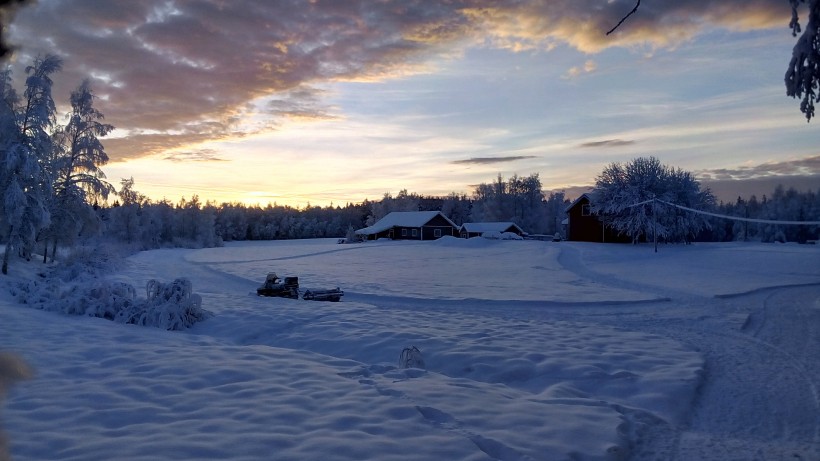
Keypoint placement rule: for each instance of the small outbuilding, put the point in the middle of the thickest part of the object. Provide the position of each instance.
(410, 225)
(585, 226)
(477, 229)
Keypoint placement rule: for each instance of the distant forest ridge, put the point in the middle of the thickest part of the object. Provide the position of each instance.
(190, 223)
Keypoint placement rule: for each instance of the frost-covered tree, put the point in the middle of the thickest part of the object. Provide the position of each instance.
(27, 152)
(625, 198)
(554, 207)
(457, 207)
(404, 201)
(124, 219)
(519, 199)
(803, 73)
(491, 202)
(78, 180)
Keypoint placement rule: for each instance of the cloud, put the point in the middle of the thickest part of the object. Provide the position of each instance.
(582, 24)
(576, 71)
(728, 190)
(608, 143)
(197, 71)
(795, 167)
(202, 155)
(302, 102)
(490, 160)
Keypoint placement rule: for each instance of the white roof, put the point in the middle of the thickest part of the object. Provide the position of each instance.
(402, 219)
(487, 226)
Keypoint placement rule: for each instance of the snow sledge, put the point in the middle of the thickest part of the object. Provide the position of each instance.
(289, 288)
(274, 286)
(333, 295)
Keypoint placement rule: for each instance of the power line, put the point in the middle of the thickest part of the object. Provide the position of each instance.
(736, 218)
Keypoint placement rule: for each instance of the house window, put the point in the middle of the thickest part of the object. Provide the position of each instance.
(415, 232)
(436, 233)
(404, 232)
(585, 210)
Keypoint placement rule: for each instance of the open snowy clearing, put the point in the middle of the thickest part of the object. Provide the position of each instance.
(533, 350)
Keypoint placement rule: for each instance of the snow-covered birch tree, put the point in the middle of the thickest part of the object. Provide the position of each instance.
(78, 178)
(27, 152)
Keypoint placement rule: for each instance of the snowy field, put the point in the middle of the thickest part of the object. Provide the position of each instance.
(532, 350)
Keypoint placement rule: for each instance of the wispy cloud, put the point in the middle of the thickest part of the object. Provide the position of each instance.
(490, 160)
(303, 102)
(803, 166)
(608, 143)
(576, 71)
(202, 155)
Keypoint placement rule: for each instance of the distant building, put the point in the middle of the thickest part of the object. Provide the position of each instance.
(585, 226)
(476, 229)
(410, 225)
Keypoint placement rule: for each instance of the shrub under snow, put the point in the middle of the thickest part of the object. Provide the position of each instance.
(75, 288)
(170, 306)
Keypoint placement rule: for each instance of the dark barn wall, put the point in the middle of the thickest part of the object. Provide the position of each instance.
(583, 228)
(589, 228)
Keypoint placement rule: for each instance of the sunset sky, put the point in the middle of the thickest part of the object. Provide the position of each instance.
(322, 101)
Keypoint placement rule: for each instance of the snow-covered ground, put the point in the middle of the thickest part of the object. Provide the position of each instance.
(532, 350)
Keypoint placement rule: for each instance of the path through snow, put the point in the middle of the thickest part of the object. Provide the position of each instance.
(759, 399)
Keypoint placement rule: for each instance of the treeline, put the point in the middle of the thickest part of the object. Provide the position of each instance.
(783, 205)
(136, 220)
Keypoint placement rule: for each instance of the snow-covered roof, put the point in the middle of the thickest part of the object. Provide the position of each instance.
(481, 227)
(402, 219)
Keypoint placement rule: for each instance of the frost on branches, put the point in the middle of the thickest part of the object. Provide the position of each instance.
(624, 198)
(803, 74)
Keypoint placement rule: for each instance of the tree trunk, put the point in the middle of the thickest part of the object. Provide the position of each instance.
(54, 250)
(45, 251)
(6, 254)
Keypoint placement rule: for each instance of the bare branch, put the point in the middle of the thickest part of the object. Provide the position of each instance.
(624, 18)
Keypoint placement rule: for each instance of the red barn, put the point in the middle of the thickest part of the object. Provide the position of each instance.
(585, 226)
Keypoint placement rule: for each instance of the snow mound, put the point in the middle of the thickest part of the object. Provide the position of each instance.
(457, 242)
(494, 235)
